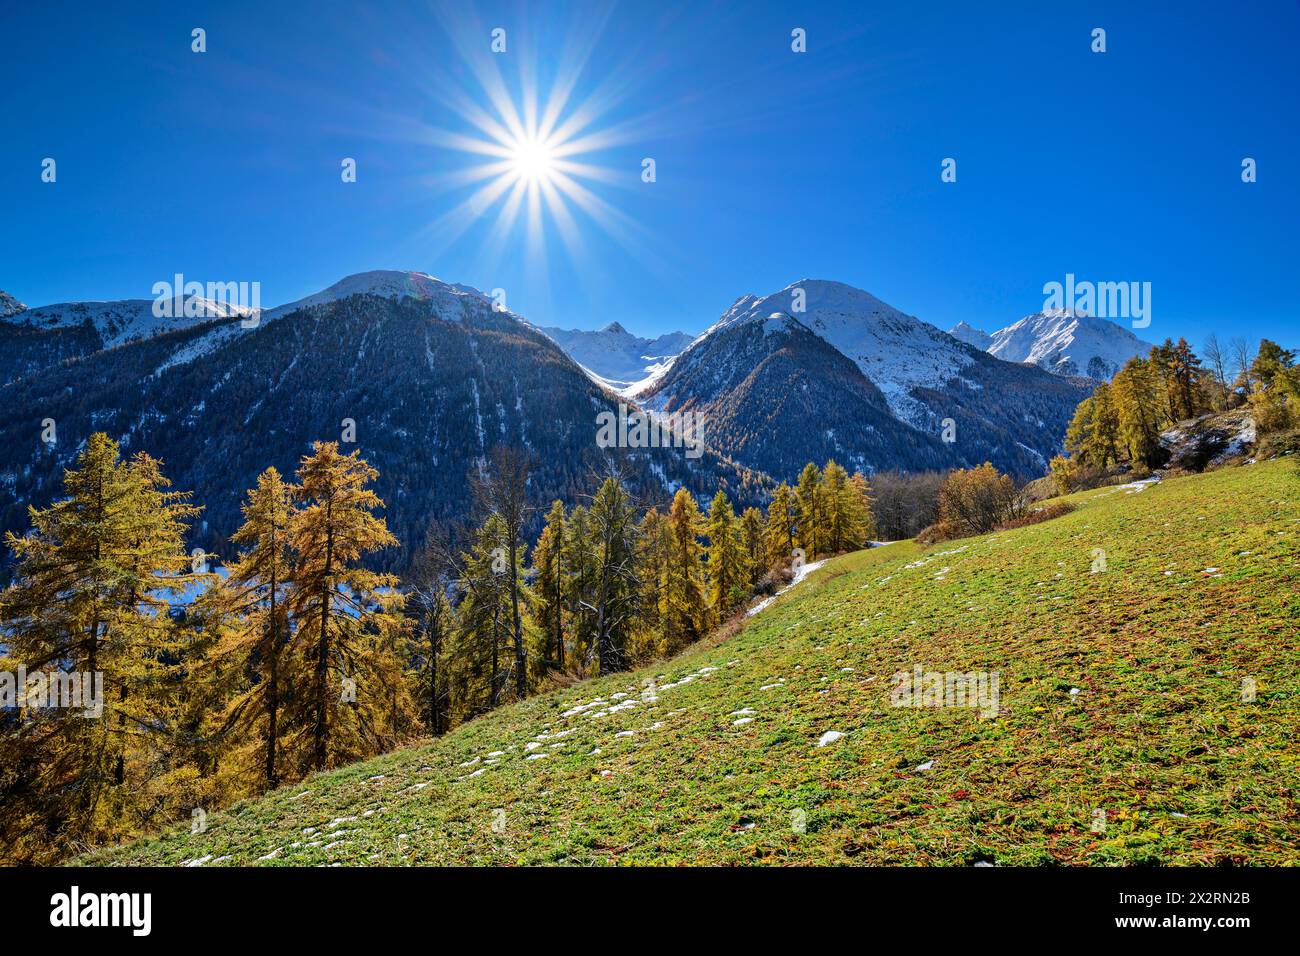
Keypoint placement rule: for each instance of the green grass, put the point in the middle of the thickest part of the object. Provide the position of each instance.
(1158, 735)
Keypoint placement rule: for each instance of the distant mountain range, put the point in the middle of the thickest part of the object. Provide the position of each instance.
(31, 339)
(1061, 341)
(776, 396)
(432, 376)
(617, 356)
(429, 373)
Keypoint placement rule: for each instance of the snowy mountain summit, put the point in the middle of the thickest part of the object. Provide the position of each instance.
(1062, 341)
(391, 284)
(616, 356)
(822, 369)
(896, 351)
(964, 332)
(9, 306)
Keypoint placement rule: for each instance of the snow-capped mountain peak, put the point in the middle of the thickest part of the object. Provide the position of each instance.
(9, 306)
(821, 367)
(964, 332)
(389, 284)
(895, 350)
(616, 357)
(1068, 342)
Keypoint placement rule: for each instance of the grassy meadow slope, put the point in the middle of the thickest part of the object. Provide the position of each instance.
(1199, 593)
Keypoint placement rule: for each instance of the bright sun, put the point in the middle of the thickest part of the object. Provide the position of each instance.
(532, 160)
(534, 156)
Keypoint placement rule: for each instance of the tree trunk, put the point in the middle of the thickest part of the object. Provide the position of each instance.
(273, 685)
(496, 663)
(521, 675)
(435, 717)
(321, 731)
(559, 608)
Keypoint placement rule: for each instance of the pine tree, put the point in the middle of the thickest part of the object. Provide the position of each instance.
(861, 510)
(1275, 396)
(751, 540)
(1137, 409)
(1181, 373)
(612, 598)
(343, 611)
(1092, 438)
(655, 542)
(476, 669)
(549, 582)
(90, 597)
(779, 532)
(433, 620)
(503, 491)
(811, 505)
(578, 559)
(685, 607)
(726, 559)
(1274, 367)
(254, 628)
(839, 508)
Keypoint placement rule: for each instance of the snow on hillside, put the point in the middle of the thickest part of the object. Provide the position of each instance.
(389, 284)
(640, 390)
(9, 306)
(615, 356)
(1068, 343)
(895, 350)
(800, 573)
(637, 389)
(128, 319)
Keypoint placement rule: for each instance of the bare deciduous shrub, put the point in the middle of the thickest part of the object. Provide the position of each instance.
(904, 504)
(939, 531)
(1037, 515)
(773, 581)
(977, 500)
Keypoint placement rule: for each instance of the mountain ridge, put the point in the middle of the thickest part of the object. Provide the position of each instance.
(753, 379)
(1062, 341)
(9, 306)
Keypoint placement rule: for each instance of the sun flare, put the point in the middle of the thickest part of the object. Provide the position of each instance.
(533, 160)
(536, 154)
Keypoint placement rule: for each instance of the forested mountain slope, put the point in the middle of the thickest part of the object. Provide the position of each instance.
(424, 380)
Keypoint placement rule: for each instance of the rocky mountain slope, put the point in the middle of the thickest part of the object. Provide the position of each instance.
(964, 332)
(34, 339)
(9, 306)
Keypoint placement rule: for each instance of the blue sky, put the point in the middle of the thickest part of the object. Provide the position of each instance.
(771, 166)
